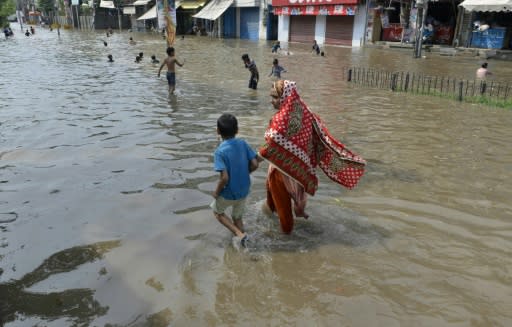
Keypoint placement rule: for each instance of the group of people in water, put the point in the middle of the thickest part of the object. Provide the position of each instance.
(8, 32)
(297, 141)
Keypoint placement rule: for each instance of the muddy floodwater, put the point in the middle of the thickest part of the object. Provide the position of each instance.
(105, 184)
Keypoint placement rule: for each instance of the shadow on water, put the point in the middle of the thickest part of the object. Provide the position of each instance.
(78, 305)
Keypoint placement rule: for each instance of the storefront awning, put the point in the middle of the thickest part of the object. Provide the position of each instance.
(214, 9)
(150, 14)
(191, 4)
(107, 4)
(141, 2)
(487, 5)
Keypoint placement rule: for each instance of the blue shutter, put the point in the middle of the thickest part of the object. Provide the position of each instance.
(249, 20)
(229, 21)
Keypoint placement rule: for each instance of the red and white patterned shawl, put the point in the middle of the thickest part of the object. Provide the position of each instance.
(297, 141)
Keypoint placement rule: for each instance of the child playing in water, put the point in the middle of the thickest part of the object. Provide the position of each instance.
(170, 61)
(316, 48)
(154, 60)
(110, 58)
(276, 47)
(277, 69)
(234, 160)
(255, 76)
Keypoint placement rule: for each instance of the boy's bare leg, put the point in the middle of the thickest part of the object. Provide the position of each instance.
(239, 224)
(224, 220)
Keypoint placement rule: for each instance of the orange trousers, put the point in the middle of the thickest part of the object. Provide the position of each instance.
(279, 200)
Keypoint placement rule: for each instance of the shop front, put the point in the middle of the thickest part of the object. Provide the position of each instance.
(328, 22)
(339, 30)
(396, 21)
(302, 28)
(491, 26)
(232, 18)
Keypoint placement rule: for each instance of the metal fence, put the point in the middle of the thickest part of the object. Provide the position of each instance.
(85, 22)
(490, 92)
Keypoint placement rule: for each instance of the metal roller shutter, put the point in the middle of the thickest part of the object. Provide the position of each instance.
(339, 30)
(229, 22)
(302, 29)
(249, 18)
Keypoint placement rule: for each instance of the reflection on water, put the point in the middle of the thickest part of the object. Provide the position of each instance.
(16, 302)
(94, 151)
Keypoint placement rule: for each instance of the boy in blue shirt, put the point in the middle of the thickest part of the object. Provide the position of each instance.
(235, 160)
(277, 69)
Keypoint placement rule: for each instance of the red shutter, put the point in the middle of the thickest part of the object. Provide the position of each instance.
(302, 29)
(339, 30)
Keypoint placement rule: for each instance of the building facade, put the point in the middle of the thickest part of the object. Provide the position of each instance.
(336, 22)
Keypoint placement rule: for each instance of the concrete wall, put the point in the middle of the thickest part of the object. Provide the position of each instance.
(359, 26)
(283, 32)
(320, 27)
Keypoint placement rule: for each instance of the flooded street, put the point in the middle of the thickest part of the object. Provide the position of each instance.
(105, 186)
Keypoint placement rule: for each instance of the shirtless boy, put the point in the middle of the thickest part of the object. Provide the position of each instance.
(171, 72)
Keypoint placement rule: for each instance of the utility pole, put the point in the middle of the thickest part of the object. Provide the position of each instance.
(93, 16)
(422, 6)
(19, 12)
(365, 36)
(119, 15)
(78, 16)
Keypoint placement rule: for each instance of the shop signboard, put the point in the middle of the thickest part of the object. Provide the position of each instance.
(327, 10)
(281, 3)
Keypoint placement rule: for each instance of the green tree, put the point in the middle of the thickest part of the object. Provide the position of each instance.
(7, 8)
(46, 5)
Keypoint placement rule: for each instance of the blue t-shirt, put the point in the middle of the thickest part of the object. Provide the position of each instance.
(234, 156)
(277, 70)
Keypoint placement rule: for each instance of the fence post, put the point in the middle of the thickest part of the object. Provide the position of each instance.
(393, 81)
(406, 82)
(349, 79)
(461, 86)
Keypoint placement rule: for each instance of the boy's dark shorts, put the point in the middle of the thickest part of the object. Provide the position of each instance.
(171, 78)
(253, 83)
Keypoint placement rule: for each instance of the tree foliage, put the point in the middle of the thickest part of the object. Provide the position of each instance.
(46, 5)
(7, 8)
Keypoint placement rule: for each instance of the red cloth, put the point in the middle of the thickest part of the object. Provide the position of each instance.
(297, 141)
